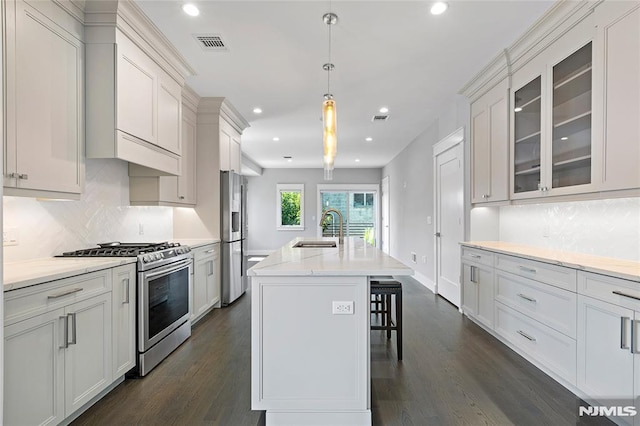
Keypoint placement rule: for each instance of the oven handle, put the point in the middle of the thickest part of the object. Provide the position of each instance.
(168, 270)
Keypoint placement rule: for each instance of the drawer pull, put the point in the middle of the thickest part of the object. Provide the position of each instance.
(475, 256)
(525, 269)
(64, 293)
(623, 332)
(209, 251)
(65, 319)
(619, 293)
(530, 299)
(526, 336)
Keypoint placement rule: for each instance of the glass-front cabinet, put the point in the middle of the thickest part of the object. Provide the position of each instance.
(552, 138)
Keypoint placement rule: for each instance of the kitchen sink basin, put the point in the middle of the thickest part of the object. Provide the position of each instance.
(315, 244)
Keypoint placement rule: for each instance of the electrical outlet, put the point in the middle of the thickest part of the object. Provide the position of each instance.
(424, 259)
(342, 307)
(414, 257)
(428, 220)
(140, 229)
(10, 237)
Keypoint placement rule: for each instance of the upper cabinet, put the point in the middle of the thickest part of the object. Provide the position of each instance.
(574, 103)
(551, 112)
(146, 188)
(134, 89)
(230, 146)
(617, 53)
(44, 109)
(489, 145)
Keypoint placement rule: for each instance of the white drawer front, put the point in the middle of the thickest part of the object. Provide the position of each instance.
(478, 256)
(204, 252)
(554, 350)
(613, 290)
(550, 305)
(559, 276)
(26, 302)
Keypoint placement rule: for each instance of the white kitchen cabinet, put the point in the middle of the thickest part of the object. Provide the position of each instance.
(490, 145)
(44, 77)
(478, 290)
(617, 54)
(58, 347)
(146, 188)
(230, 147)
(206, 280)
(134, 79)
(551, 132)
(124, 319)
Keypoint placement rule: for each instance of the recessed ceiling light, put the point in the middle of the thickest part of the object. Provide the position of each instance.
(191, 9)
(517, 109)
(276, 139)
(357, 160)
(257, 110)
(439, 7)
(564, 138)
(384, 110)
(368, 139)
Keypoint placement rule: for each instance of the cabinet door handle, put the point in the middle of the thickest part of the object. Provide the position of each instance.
(619, 293)
(472, 277)
(485, 196)
(210, 263)
(66, 332)
(126, 291)
(74, 333)
(475, 256)
(23, 176)
(525, 269)
(623, 332)
(13, 175)
(634, 344)
(181, 197)
(526, 336)
(530, 299)
(64, 293)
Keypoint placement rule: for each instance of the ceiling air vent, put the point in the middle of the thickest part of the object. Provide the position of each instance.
(378, 118)
(211, 42)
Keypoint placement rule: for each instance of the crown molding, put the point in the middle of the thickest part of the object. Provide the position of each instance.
(223, 107)
(190, 99)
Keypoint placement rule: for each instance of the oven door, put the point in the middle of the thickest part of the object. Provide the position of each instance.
(163, 301)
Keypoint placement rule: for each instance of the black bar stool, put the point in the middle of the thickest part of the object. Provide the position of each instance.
(381, 293)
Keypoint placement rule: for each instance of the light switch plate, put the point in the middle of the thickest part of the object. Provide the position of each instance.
(342, 307)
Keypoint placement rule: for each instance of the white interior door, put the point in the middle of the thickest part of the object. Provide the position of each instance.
(449, 231)
(384, 220)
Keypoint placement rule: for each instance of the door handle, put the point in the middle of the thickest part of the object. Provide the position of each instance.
(437, 234)
(74, 333)
(66, 332)
(623, 332)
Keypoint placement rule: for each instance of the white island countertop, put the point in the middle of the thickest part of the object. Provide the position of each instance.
(354, 258)
(620, 268)
(37, 271)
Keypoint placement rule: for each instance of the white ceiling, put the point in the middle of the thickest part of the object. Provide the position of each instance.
(386, 53)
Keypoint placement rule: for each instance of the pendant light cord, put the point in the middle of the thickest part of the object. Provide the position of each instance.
(330, 63)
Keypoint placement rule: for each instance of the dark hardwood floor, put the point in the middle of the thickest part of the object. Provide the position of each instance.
(453, 373)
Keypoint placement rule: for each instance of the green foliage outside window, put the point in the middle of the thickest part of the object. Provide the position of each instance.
(290, 208)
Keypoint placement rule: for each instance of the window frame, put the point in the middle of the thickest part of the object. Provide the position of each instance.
(289, 187)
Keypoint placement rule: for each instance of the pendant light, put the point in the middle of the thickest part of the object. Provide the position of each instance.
(329, 118)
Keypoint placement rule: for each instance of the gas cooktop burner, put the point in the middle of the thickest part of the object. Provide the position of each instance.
(118, 249)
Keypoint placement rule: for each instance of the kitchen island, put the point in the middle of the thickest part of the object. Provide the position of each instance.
(310, 332)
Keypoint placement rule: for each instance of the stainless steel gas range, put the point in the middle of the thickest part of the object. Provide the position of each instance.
(164, 277)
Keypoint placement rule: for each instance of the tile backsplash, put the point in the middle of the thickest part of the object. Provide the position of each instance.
(46, 228)
(609, 228)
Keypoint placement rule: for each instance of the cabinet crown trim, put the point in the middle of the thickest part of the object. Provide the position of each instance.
(222, 106)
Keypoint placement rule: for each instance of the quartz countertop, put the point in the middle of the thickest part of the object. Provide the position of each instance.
(37, 271)
(354, 258)
(620, 268)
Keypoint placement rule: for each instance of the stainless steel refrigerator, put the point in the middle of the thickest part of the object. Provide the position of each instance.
(233, 234)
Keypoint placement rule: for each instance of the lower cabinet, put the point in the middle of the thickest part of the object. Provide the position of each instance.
(65, 343)
(124, 319)
(478, 292)
(205, 292)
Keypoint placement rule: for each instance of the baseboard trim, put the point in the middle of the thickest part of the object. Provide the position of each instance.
(422, 279)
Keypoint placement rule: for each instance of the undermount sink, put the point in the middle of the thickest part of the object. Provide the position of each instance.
(315, 244)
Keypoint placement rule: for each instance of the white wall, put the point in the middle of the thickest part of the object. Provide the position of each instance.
(411, 191)
(262, 201)
(47, 228)
(609, 228)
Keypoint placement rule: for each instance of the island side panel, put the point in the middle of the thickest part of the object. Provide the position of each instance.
(303, 356)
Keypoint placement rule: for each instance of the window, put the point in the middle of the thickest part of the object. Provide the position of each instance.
(290, 206)
(362, 199)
